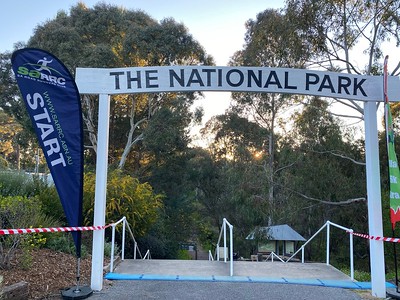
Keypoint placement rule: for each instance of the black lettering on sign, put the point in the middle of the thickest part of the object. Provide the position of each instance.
(129, 79)
(151, 78)
(208, 75)
(195, 78)
(229, 80)
(311, 79)
(273, 79)
(180, 79)
(326, 84)
(116, 74)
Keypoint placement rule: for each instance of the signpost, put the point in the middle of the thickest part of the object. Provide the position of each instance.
(369, 89)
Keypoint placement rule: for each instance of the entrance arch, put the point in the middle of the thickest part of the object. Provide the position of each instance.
(369, 89)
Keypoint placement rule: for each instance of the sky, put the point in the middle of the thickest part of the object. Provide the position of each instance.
(219, 26)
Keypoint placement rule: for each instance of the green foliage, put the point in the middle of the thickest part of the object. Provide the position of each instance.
(111, 36)
(3, 164)
(107, 249)
(166, 134)
(31, 242)
(51, 204)
(126, 196)
(334, 28)
(183, 255)
(14, 183)
(63, 242)
(35, 240)
(19, 212)
(361, 276)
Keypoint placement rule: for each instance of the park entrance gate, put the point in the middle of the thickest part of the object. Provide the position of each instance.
(369, 89)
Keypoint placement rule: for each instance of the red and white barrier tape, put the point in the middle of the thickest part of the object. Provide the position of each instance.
(375, 238)
(51, 229)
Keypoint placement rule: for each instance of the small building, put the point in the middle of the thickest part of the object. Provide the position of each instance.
(280, 239)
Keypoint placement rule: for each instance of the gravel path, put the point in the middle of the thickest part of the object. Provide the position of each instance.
(172, 290)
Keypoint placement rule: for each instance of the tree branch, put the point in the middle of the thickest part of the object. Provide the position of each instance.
(343, 202)
(341, 156)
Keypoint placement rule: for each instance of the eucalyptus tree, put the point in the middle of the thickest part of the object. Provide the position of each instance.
(165, 164)
(327, 180)
(22, 143)
(348, 35)
(9, 130)
(236, 186)
(270, 41)
(110, 36)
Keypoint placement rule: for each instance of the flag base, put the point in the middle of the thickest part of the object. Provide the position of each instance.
(81, 292)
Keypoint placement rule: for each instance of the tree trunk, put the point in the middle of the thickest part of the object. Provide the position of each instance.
(18, 152)
(130, 141)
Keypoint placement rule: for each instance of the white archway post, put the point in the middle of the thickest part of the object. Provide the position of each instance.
(100, 192)
(377, 258)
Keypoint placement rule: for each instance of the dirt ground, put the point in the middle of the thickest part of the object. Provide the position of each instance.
(48, 273)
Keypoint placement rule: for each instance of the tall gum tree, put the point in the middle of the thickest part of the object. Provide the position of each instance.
(348, 36)
(270, 41)
(110, 36)
(13, 108)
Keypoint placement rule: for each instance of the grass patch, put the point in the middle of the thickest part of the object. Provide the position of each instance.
(358, 275)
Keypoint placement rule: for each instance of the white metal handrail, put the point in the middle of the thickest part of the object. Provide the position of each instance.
(147, 255)
(223, 231)
(327, 225)
(125, 225)
(272, 255)
(210, 256)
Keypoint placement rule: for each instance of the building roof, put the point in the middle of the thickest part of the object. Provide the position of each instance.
(277, 233)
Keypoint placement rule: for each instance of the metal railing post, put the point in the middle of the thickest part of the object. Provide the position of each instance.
(351, 255)
(224, 240)
(302, 254)
(134, 252)
(112, 248)
(223, 232)
(210, 257)
(327, 241)
(231, 245)
(123, 240)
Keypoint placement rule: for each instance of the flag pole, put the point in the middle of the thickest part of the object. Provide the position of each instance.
(393, 177)
(395, 263)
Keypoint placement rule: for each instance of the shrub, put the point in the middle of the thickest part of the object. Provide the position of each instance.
(51, 204)
(183, 255)
(15, 184)
(126, 196)
(63, 242)
(19, 212)
(107, 249)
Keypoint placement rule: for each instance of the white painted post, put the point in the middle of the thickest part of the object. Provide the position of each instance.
(374, 200)
(231, 250)
(123, 239)
(351, 255)
(112, 248)
(327, 241)
(134, 253)
(225, 240)
(100, 192)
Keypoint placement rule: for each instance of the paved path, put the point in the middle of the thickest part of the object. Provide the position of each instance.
(240, 268)
(202, 289)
